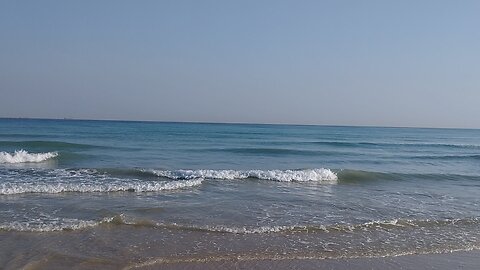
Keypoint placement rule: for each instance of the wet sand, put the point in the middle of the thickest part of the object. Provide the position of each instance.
(144, 248)
(455, 260)
(447, 261)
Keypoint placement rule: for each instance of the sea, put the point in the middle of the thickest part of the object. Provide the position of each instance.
(125, 194)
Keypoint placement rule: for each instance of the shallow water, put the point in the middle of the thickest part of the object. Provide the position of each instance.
(124, 193)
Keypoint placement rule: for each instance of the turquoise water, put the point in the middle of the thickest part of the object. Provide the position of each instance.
(320, 191)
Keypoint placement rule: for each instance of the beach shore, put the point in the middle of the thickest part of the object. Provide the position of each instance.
(464, 260)
(447, 261)
(133, 195)
(119, 246)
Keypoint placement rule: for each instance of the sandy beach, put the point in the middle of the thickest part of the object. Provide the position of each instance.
(448, 261)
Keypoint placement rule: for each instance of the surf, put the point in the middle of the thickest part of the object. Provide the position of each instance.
(22, 156)
(303, 175)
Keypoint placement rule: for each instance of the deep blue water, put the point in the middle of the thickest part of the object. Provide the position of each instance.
(417, 189)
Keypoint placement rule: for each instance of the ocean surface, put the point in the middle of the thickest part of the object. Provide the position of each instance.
(134, 194)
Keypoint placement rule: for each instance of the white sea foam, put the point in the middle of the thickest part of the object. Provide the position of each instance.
(81, 180)
(240, 230)
(19, 181)
(273, 175)
(18, 188)
(22, 156)
(342, 227)
(44, 222)
(51, 225)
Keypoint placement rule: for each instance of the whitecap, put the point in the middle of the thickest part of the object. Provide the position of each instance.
(82, 180)
(273, 175)
(22, 156)
(19, 188)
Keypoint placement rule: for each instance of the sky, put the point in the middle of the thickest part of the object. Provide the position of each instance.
(381, 63)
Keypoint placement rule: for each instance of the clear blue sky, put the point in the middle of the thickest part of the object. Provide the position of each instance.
(389, 63)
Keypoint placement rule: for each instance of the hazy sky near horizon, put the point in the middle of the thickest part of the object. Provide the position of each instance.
(388, 63)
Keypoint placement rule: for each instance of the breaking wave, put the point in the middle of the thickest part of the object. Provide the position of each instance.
(38, 180)
(114, 186)
(81, 180)
(20, 181)
(273, 175)
(22, 156)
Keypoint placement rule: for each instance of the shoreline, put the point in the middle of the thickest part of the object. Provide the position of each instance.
(446, 261)
(139, 247)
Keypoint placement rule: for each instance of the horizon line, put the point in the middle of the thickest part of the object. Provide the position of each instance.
(228, 123)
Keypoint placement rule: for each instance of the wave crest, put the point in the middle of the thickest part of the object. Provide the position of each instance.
(84, 187)
(22, 156)
(273, 175)
(82, 180)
